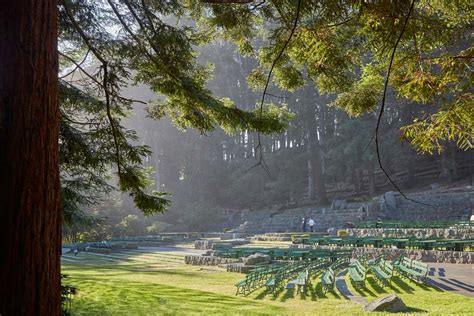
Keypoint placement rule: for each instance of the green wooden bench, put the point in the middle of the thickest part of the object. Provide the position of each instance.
(412, 269)
(301, 281)
(284, 273)
(298, 254)
(256, 278)
(248, 284)
(340, 263)
(278, 253)
(316, 254)
(383, 271)
(328, 279)
(357, 273)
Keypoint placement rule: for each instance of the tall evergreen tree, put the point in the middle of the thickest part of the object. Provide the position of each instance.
(30, 220)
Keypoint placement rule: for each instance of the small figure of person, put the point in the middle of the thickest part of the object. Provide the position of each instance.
(362, 213)
(76, 252)
(311, 224)
(378, 223)
(303, 224)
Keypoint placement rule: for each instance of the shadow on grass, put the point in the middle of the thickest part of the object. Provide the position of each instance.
(117, 296)
(440, 287)
(425, 286)
(262, 294)
(394, 288)
(402, 285)
(121, 271)
(317, 291)
(303, 294)
(277, 292)
(364, 291)
(289, 293)
(415, 310)
(377, 288)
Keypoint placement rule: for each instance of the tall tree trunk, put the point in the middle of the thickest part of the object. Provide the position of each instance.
(319, 177)
(444, 172)
(453, 174)
(411, 169)
(319, 157)
(371, 178)
(309, 151)
(30, 220)
(315, 164)
(157, 161)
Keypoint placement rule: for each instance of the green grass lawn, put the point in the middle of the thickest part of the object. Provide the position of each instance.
(160, 284)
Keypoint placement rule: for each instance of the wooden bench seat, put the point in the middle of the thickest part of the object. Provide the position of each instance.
(412, 269)
(328, 280)
(383, 271)
(357, 273)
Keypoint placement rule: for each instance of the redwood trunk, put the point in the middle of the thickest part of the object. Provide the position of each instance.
(30, 221)
(316, 183)
(319, 177)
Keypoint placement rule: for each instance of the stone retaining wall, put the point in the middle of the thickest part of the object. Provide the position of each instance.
(239, 268)
(208, 260)
(271, 237)
(458, 232)
(417, 254)
(420, 255)
(388, 206)
(214, 244)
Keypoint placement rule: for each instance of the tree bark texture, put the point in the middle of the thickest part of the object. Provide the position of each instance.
(316, 183)
(30, 219)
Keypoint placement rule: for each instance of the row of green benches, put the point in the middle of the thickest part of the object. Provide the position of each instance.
(303, 278)
(388, 242)
(256, 278)
(384, 270)
(298, 274)
(274, 276)
(283, 253)
(413, 224)
(328, 277)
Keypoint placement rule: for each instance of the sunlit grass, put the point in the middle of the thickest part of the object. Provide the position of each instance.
(146, 284)
(418, 297)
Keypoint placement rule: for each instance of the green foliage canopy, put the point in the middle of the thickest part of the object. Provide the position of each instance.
(104, 47)
(343, 47)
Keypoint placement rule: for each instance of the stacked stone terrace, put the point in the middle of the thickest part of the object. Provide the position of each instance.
(433, 205)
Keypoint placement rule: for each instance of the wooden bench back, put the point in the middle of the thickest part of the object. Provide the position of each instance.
(419, 266)
(360, 268)
(386, 266)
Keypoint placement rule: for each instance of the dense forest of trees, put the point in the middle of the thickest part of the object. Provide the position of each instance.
(64, 143)
(324, 154)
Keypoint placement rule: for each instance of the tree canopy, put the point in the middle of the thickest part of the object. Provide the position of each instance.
(106, 46)
(342, 48)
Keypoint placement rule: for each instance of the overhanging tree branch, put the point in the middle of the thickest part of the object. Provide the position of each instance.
(105, 79)
(382, 108)
(261, 161)
(77, 65)
(227, 1)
